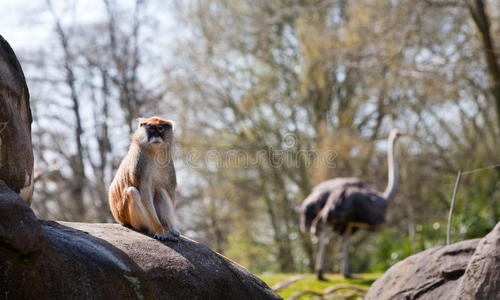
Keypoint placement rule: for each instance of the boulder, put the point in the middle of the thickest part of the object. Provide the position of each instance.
(466, 270)
(16, 154)
(431, 274)
(482, 276)
(19, 227)
(109, 261)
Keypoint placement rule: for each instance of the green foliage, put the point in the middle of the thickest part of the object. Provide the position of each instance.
(310, 283)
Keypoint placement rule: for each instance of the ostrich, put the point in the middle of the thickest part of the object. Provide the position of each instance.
(344, 205)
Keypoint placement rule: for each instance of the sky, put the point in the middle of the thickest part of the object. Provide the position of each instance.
(28, 23)
(28, 26)
(21, 24)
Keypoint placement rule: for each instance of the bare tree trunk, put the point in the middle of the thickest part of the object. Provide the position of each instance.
(101, 116)
(277, 232)
(77, 164)
(214, 227)
(481, 19)
(289, 221)
(285, 258)
(126, 78)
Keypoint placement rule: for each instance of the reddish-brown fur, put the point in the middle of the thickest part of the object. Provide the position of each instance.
(157, 121)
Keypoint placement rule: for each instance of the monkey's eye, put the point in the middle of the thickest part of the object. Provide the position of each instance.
(167, 126)
(160, 128)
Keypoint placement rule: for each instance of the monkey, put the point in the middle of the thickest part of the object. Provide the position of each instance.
(142, 193)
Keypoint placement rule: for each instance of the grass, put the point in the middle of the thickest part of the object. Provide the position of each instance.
(310, 283)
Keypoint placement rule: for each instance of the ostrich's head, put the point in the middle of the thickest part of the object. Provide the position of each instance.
(395, 134)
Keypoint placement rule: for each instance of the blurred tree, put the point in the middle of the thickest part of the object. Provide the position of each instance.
(336, 75)
(271, 98)
(93, 71)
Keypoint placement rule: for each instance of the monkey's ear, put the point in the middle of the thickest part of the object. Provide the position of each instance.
(141, 121)
(170, 123)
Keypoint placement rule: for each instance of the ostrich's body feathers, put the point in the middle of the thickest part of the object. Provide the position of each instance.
(340, 201)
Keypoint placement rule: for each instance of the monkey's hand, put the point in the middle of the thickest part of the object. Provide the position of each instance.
(167, 237)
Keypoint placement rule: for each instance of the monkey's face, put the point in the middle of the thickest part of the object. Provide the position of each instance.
(157, 134)
(155, 131)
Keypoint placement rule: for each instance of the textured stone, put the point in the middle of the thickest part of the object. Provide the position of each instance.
(466, 270)
(431, 274)
(19, 227)
(16, 153)
(482, 277)
(109, 261)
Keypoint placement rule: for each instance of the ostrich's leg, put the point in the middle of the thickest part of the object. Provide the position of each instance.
(320, 260)
(345, 252)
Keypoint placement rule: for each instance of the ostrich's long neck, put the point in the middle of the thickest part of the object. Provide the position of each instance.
(392, 185)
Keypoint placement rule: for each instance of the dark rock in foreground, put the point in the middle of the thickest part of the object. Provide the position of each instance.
(19, 227)
(16, 154)
(109, 261)
(464, 270)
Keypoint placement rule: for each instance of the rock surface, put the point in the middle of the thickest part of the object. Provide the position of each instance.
(16, 154)
(109, 261)
(466, 270)
(430, 274)
(482, 277)
(19, 227)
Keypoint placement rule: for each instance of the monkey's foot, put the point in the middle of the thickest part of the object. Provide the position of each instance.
(175, 232)
(167, 237)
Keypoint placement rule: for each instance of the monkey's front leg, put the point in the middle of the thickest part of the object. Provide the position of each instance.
(156, 226)
(166, 212)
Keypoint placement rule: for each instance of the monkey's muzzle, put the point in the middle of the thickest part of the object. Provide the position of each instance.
(155, 140)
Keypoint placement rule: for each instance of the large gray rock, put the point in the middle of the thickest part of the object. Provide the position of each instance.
(431, 274)
(109, 261)
(19, 227)
(482, 276)
(464, 270)
(16, 154)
